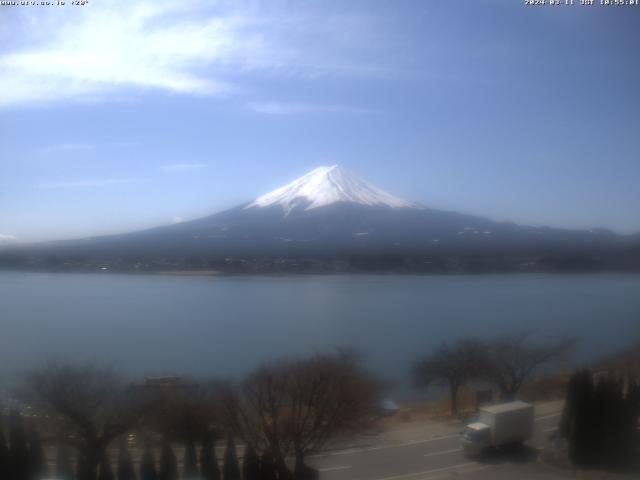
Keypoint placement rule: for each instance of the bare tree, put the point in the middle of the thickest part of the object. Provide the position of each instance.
(89, 404)
(512, 359)
(298, 406)
(186, 414)
(452, 366)
(328, 396)
(255, 409)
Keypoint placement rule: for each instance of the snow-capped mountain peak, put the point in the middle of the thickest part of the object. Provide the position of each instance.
(326, 185)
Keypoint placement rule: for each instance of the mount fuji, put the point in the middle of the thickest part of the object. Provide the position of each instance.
(327, 185)
(331, 214)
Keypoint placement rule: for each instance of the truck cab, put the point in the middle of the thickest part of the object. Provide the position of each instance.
(476, 437)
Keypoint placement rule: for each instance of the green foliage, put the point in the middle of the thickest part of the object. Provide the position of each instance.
(231, 467)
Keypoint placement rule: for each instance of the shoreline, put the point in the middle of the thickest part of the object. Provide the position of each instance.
(184, 273)
(276, 273)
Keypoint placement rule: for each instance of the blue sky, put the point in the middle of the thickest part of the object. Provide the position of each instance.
(123, 115)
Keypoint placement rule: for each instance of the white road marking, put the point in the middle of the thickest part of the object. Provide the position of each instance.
(459, 473)
(443, 452)
(552, 429)
(383, 447)
(331, 469)
(549, 416)
(426, 472)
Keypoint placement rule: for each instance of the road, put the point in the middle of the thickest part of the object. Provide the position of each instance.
(435, 458)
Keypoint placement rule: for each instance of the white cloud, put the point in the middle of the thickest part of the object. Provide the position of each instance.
(195, 47)
(280, 108)
(183, 167)
(5, 237)
(114, 44)
(177, 219)
(89, 183)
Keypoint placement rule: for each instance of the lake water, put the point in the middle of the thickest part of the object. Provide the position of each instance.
(153, 324)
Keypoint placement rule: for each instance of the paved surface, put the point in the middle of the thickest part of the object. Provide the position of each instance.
(439, 457)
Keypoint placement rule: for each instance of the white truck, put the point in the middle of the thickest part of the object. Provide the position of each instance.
(498, 426)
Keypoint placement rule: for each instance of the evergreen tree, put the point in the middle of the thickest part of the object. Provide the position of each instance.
(569, 410)
(190, 460)
(267, 467)
(64, 467)
(231, 467)
(84, 468)
(148, 464)
(37, 460)
(19, 451)
(125, 468)
(4, 454)
(633, 398)
(209, 468)
(250, 464)
(168, 463)
(105, 472)
(619, 418)
(632, 411)
(579, 422)
(599, 421)
(282, 469)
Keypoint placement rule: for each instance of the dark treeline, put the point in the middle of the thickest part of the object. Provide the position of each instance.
(277, 416)
(505, 362)
(471, 263)
(21, 453)
(600, 419)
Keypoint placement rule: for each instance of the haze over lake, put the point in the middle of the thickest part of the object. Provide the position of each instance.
(226, 325)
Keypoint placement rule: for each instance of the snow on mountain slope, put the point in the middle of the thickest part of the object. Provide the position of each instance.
(326, 185)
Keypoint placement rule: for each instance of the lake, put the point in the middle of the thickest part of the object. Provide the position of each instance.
(226, 325)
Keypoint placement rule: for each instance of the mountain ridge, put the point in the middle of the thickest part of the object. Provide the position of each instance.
(330, 213)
